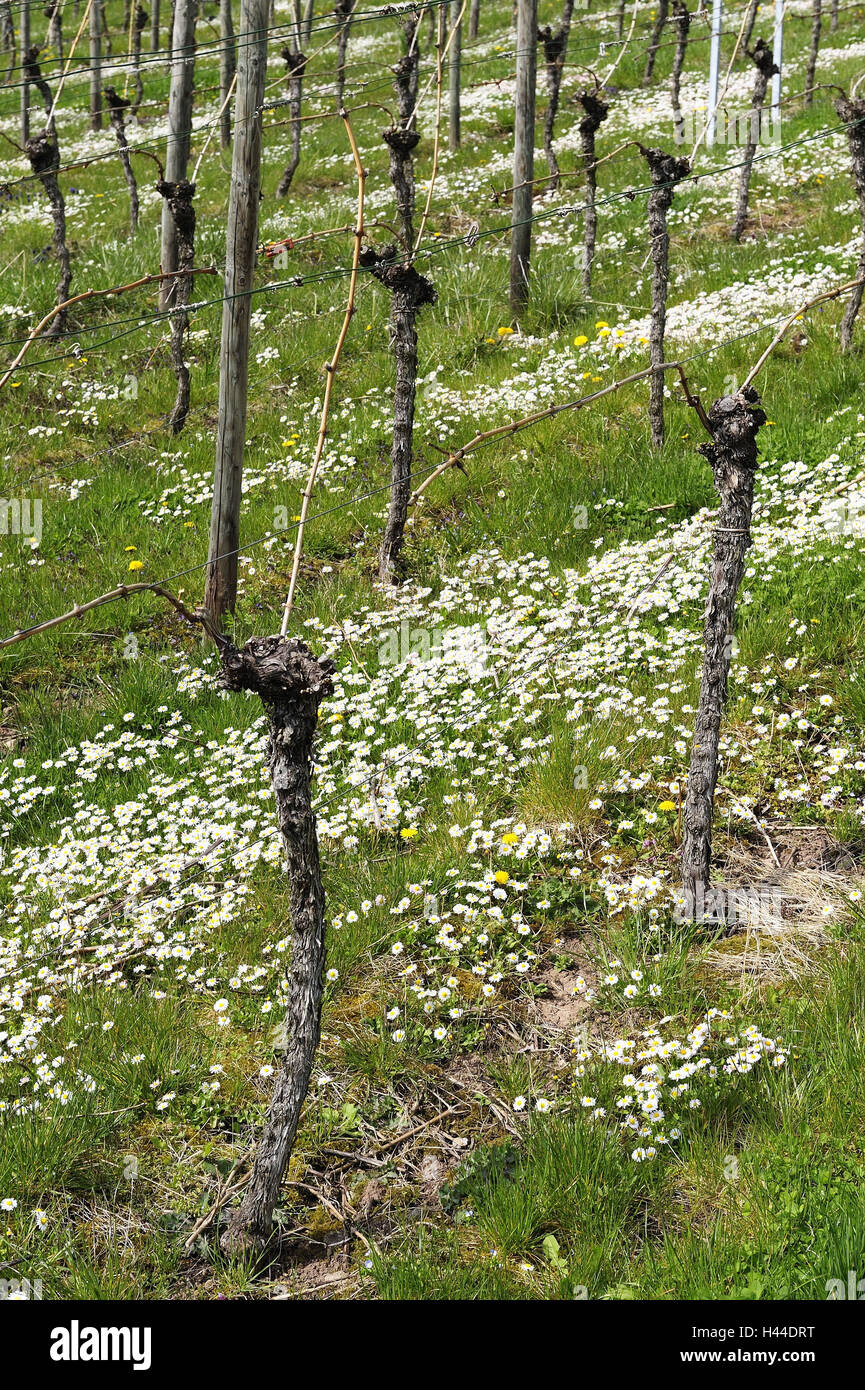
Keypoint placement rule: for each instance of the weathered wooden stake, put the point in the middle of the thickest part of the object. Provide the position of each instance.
(455, 61)
(666, 171)
(474, 18)
(95, 66)
(291, 684)
(179, 123)
(734, 422)
(555, 51)
(154, 27)
(853, 114)
(524, 152)
(25, 87)
(764, 63)
(221, 584)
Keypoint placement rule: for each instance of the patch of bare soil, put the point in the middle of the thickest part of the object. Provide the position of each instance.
(812, 847)
(558, 1008)
(8, 738)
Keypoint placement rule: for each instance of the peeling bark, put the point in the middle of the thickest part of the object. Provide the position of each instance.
(291, 684)
(666, 171)
(44, 155)
(762, 57)
(296, 63)
(410, 292)
(401, 141)
(555, 50)
(682, 26)
(407, 94)
(178, 198)
(596, 113)
(853, 114)
(734, 422)
(117, 105)
(655, 41)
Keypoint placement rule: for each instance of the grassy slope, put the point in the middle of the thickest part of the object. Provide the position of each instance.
(788, 1214)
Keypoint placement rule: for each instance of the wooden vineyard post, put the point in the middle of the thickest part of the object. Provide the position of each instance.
(524, 152)
(179, 123)
(221, 583)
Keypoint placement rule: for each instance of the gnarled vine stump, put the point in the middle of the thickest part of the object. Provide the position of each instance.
(734, 422)
(291, 684)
